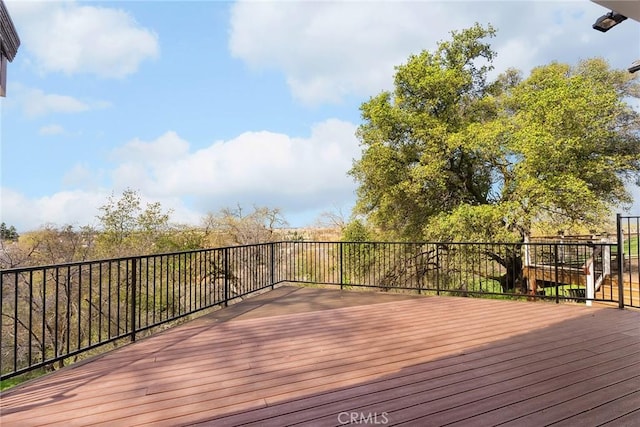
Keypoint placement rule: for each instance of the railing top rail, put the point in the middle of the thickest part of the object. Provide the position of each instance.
(193, 251)
(574, 236)
(441, 243)
(126, 258)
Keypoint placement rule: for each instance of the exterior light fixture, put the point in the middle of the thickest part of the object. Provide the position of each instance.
(635, 66)
(608, 21)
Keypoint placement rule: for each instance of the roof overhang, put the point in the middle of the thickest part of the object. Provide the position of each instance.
(630, 9)
(9, 40)
(9, 43)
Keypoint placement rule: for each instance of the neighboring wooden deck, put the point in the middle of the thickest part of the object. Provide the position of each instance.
(609, 290)
(381, 358)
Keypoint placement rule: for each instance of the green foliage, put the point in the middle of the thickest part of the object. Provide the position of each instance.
(129, 229)
(182, 238)
(11, 382)
(294, 236)
(451, 156)
(8, 233)
(358, 254)
(478, 287)
(411, 167)
(356, 231)
(471, 223)
(576, 143)
(630, 246)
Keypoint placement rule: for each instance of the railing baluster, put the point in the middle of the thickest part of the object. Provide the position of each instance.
(56, 349)
(15, 324)
(30, 332)
(134, 282)
(79, 308)
(68, 313)
(225, 270)
(90, 317)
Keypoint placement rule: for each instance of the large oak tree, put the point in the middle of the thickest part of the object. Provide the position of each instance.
(451, 155)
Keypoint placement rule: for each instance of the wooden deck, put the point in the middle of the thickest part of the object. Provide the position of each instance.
(319, 357)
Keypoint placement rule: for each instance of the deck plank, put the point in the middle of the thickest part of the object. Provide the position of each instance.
(306, 356)
(631, 419)
(601, 406)
(466, 366)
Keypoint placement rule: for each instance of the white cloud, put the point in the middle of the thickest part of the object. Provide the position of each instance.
(36, 103)
(328, 50)
(297, 175)
(66, 207)
(64, 36)
(263, 168)
(78, 207)
(82, 177)
(53, 129)
(158, 153)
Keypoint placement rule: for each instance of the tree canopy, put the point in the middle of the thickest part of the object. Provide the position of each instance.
(451, 155)
(8, 233)
(128, 228)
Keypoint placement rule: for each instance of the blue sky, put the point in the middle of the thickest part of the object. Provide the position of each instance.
(202, 105)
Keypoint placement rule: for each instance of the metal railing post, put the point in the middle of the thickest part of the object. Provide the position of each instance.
(272, 264)
(15, 323)
(134, 282)
(225, 253)
(340, 264)
(437, 269)
(620, 238)
(555, 262)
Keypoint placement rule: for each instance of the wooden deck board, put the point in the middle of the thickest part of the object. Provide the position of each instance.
(379, 391)
(458, 400)
(420, 361)
(416, 382)
(591, 407)
(507, 402)
(631, 419)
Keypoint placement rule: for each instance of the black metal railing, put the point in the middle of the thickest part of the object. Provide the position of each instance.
(53, 314)
(558, 271)
(56, 314)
